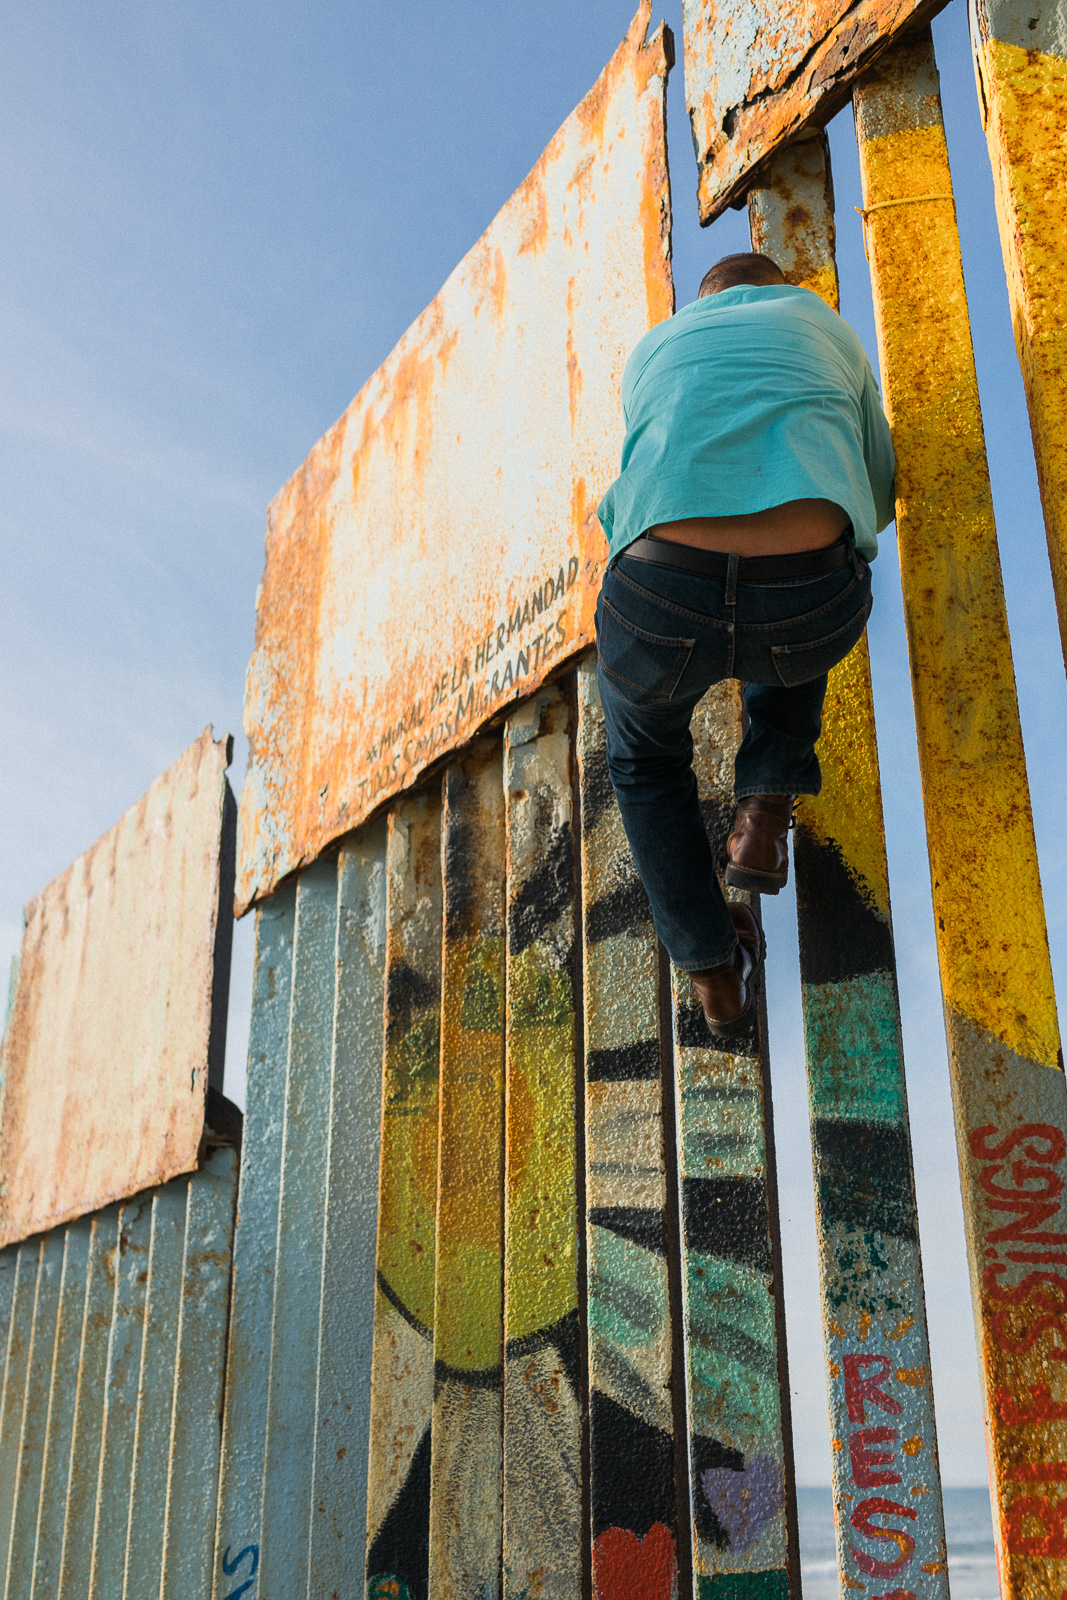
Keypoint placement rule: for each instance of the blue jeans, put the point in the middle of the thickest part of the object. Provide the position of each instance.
(663, 638)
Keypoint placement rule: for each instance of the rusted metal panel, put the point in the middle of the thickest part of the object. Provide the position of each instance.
(438, 552)
(107, 1049)
(874, 1313)
(542, 1336)
(255, 1249)
(402, 1380)
(346, 1314)
(742, 1493)
(16, 1376)
(1003, 1036)
(757, 74)
(468, 1327)
(301, 1229)
(631, 1422)
(1020, 54)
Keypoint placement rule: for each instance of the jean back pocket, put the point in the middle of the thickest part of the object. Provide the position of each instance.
(800, 663)
(644, 668)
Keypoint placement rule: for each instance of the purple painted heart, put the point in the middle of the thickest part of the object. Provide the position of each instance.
(744, 1502)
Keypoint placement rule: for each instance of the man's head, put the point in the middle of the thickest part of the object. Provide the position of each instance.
(732, 271)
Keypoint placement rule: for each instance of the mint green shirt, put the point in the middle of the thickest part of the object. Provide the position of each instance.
(742, 401)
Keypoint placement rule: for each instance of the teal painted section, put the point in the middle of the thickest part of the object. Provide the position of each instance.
(287, 1476)
(733, 1358)
(346, 1318)
(120, 1400)
(77, 1549)
(255, 1241)
(61, 1402)
(148, 1496)
(772, 1585)
(855, 1061)
(16, 1371)
(35, 1418)
(195, 1438)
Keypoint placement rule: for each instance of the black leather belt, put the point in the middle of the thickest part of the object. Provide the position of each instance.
(749, 569)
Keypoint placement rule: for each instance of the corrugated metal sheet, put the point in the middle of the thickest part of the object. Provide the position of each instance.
(874, 1313)
(113, 1329)
(118, 1005)
(438, 552)
(1020, 54)
(757, 73)
(1000, 1010)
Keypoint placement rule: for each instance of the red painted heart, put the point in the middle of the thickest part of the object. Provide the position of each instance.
(628, 1568)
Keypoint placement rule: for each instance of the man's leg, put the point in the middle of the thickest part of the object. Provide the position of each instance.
(775, 763)
(650, 762)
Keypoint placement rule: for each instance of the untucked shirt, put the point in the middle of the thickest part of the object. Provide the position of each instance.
(744, 400)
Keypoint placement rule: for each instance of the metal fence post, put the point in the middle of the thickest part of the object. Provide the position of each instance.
(1020, 55)
(1004, 1052)
(874, 1310)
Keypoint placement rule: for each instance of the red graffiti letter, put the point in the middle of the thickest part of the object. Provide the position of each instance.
(1048, 1538)
(861, 1521)
(865, 1458)
(859, 1389)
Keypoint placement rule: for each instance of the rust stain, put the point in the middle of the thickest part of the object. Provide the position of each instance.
(435, 558)
(105, 1058)
(756, 77)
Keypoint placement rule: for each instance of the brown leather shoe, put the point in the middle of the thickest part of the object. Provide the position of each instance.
(727, 992)
(757, 854)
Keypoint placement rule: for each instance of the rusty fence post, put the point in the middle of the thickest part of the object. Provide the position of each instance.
(1000, 1013)
(468, 1327)
(635, 1393)
(1020, 56)
(742, 1491)
(542, 1383)
(398, 1470)
(870, 1271)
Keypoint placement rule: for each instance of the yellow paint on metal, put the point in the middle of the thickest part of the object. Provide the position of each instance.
(1011, 1112)
(466, 472)
(468, 1325)
(991, 934)
(1023, 96)
(105, 1056)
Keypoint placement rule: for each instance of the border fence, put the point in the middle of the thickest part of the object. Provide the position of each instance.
(484, 1297)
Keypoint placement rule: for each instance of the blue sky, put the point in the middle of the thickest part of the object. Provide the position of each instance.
(218, 220)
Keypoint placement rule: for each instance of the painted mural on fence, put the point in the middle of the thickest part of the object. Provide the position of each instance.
(438, 552)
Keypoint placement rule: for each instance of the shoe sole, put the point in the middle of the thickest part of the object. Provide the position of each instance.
(758, 882)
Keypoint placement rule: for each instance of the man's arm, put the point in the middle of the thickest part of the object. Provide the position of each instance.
(878, 454)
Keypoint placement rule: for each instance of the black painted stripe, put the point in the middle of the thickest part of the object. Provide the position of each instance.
(626, 907)
(632, 1469)
(546, 895)
(863, 1176)
(475, 1378)
(692, 1033)
(728, 1217)
(625, 1064)
(401, 1547)
(640, 1224)
(842, 934)
(408, 1316)
(597, 794)
(564, 1337)
(704, 1454)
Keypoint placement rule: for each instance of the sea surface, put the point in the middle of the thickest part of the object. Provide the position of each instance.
(968, 1524)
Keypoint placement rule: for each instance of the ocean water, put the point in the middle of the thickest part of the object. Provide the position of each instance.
(968, 1525)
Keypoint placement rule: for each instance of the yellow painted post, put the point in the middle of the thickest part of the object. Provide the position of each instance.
(465, 1473)
(874, 1312)
(1000, 1013)
(542, 1418)
(1020, 54)
(398, 1472)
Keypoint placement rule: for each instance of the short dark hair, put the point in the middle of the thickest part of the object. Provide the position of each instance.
(746, 267)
